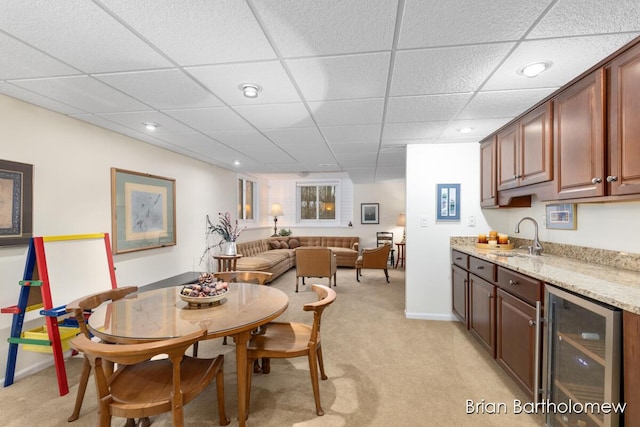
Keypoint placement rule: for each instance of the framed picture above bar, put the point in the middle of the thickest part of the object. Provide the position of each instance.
(143, 211)
(16, 203)
(369, 213)
(561, 216)
(448, 202)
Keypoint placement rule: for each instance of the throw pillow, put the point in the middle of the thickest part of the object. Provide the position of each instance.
(274, 244)
(293, 243)
(284, 245)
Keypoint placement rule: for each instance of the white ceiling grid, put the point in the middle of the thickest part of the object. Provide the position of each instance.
(345, 85)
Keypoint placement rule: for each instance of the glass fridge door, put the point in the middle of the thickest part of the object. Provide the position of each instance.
(581, 361)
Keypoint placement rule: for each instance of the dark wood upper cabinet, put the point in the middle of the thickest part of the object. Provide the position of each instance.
(488, 191)
(578, 138)
(624, 124)
(525, 150)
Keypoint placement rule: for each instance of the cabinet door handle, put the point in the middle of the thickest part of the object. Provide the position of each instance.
(612, 178)
(479, 267)
(513, 282)
(596, 180)
(532, 322)
(458, 258)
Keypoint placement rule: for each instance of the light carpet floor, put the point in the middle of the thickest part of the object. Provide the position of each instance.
(384, 370)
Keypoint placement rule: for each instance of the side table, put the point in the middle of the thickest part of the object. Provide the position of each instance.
(400, 259)
(226, 262)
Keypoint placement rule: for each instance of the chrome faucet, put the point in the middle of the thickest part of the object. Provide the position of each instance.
(536, 249)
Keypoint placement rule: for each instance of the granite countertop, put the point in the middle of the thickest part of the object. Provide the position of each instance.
(609, 284)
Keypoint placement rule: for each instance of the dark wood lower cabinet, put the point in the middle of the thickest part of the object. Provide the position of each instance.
(516, 339)
(482, 318)
(460, 294)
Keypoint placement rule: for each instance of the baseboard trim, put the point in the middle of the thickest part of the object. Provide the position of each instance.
(430, 316)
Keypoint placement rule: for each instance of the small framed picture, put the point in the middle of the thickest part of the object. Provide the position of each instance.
(561, 216)
(448, 202)
(369, 213)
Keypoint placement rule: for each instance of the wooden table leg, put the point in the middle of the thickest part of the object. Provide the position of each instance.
(241, 340)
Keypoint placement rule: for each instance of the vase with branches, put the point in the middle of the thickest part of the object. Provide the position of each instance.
(227, 229)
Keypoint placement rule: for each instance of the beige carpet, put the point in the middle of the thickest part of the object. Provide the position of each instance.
(384, 370)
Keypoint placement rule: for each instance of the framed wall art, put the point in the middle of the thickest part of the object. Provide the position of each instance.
(561, 216)
(448, 202)
(16, 203)
(143, 211)
(369, 213)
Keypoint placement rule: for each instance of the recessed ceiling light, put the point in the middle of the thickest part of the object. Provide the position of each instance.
(150, 125)
(535, 68)
(236, 162)
(250, 90)
(467, 129)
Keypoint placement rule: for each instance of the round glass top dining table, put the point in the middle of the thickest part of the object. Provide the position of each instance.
(162, 314)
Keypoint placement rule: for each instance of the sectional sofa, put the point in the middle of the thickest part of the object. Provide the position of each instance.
(276, 255)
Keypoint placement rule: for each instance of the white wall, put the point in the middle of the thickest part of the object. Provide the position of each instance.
(428, 277)
(611, 226)
(72, 195)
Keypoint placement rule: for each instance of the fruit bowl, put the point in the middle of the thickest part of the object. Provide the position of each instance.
(204, 293)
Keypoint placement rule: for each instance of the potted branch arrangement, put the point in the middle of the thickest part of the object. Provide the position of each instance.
(228, 230)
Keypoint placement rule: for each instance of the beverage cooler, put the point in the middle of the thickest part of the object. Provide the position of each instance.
(582, 361)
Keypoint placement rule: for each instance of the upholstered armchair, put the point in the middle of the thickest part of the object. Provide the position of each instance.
(373, 258)
(315, 262)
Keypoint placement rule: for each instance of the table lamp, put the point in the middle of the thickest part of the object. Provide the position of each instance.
(402, 222)
(276, 211)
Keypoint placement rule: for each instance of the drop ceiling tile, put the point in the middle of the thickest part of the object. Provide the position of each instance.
(417, 130)
(392, 158)
(213, 119)
(425, 108)
(162, 89)
(362, 175)
(479, 128)
(571, 18)
(441, 70)
(86, 37)
(32, 63)
(352, 133)
(224, 81)
(83, 93)
(288, 136)
(357, 160)
(202, 32)
(310, 27)
(503, 104)
(136, 119)
(342, 77)
(265, 154)
(349, 112)
(242, 138)
(110, 125)
(354, 147)
(570, 57)
(457, 22)
(274, 116)
(36, 99)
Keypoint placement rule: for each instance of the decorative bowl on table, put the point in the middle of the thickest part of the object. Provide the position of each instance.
(203, 293)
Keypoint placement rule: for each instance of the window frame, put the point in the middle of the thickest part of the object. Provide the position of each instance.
(241, 199)
(318, 221)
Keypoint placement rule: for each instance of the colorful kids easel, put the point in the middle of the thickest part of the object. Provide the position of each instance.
(77, 267)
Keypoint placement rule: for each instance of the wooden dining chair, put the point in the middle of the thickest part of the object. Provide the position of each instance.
(291, 339)
(142, 387)
(81, 308)
(376, 258)
(315, 261)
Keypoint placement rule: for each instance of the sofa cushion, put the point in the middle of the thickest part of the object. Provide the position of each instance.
(262, 261)
(293, 243)
(275, 244)
(284, 245)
